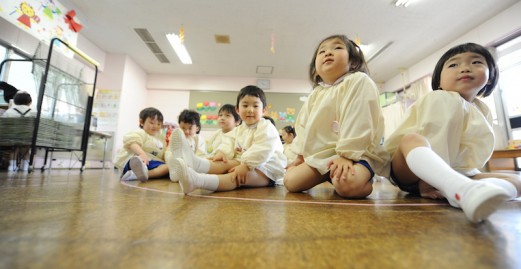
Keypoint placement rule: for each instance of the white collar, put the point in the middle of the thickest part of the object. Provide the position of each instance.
(325, 85)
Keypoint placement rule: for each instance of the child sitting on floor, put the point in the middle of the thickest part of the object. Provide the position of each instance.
(228, 120)
(142, 155)
(251, 155)
(447, 135)
(190, 124)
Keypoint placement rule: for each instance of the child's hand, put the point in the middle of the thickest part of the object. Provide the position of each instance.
(144, 157)
(296, 162)
(340, 168)
(241, 173)
(219, 156)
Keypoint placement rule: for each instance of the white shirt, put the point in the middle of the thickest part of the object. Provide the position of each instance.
(22, 109)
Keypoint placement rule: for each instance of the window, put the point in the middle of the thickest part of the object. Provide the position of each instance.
(509, 63)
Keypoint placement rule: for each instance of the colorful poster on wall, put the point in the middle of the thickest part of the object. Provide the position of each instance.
(105, 110)
(44, 19)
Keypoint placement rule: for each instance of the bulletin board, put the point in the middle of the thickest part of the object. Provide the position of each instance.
(282, 107)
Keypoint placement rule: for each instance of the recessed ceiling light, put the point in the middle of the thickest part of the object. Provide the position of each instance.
(402, 3)
(179, 48)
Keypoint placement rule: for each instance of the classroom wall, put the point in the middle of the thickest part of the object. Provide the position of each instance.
(123, 74)
(487, 33)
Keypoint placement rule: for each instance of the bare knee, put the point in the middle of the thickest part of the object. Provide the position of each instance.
(289, 183)
(353, 189)
(411, 141)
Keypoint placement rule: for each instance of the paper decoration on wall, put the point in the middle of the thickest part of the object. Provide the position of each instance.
(209, 119)
(207, 106)
(27, 15)
(73, 25)
(43, 19)
(287, 116)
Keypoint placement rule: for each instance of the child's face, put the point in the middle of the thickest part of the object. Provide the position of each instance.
(152, 126)
(250, 109)
(226, 121)
(332, 60)
(465, 73)
(288, 138)
(188, 129)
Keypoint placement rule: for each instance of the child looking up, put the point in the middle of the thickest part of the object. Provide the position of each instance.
(288, 134)
(447, 135)
(190, 124)
(251, 155)
(142, 155)
(340, 126)
(228, 120)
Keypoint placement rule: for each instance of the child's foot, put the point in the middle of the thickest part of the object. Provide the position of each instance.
(12, 168)
(129, 176)
(180, 148)
(139, 168)
(185, 174)
(428, 191)
(173, 171)
(480, 200)
(25, 166)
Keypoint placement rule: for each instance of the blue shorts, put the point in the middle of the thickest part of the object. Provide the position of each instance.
(151, 165)
(364, 163)
(412, 189)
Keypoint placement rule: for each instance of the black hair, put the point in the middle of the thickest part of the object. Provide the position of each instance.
(270, 119)
(198, 124)
(230, 109)
(251, 90)
(150, 112)
(22, 98)
(190, 117)
(290, 130)
(9, 91)
(493, 70)
(356, 58)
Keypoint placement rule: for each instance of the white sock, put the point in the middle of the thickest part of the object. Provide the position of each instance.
(201, 165)
(129, 176)
(180, 148)
(207, 181)
(12, 166)
(191, 180)
(25, 165)
(431, 168)
(478, 199)
(504, 184)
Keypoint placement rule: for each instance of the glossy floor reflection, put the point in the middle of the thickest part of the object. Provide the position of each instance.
(68, 219)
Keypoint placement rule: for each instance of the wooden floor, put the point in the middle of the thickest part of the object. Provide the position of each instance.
(67, 219)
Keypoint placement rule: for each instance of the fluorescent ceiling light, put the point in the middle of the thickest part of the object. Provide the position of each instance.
(179, 48)
(402, 3)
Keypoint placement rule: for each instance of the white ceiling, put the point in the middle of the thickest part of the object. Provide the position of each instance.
(297, 26)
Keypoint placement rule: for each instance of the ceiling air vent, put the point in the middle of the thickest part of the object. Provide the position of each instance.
(145, 35)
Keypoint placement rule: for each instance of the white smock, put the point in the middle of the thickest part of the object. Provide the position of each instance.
(460, 132)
